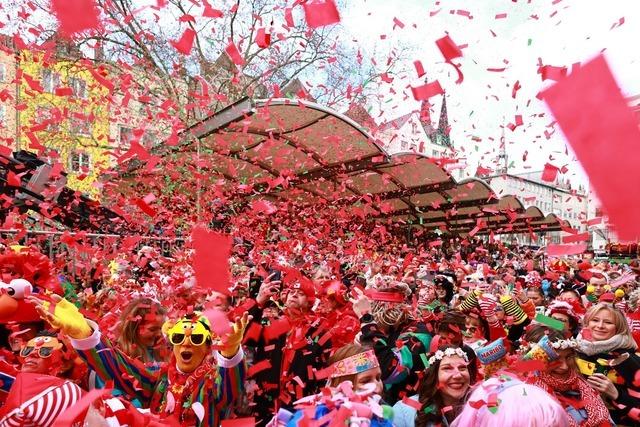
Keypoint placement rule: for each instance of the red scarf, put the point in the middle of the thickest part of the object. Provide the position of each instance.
(590, 400)
(182, 387)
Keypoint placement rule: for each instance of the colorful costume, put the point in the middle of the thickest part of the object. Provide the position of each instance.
(199, 398)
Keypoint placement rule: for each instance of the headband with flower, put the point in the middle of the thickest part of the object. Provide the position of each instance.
(439, 355)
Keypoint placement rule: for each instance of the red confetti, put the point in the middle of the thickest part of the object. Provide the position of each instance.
(550, 172)
(501, 15)
(448, 48)
(210, 12)
(560, 250)
(185, 44)
(427, 91)
(549, 72)
(263, 39)
(419, 68)
(575, 238)
(397, 23)
(211, 259)
(234, 54)
(319, 14)
(593, 115)
(219, 322)
(239, 422)
(75, 15)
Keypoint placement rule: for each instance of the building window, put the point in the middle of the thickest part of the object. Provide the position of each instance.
(2, 116)
(79, 87)
(3, 73)
(50, 80)
(149, 139)
(126, 135)
(79, 161)
(49, 115)
(80, 126)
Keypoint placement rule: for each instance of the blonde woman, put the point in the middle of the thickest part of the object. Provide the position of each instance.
(607, 357)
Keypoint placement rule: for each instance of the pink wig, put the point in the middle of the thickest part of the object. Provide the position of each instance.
(508, 402)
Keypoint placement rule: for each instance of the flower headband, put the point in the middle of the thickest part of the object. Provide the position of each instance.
(558, 345)
(439, 355)
(355, 364)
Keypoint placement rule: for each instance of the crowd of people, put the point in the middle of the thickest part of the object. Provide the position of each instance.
(322, 329)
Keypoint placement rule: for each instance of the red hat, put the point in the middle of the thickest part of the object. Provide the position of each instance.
(293, 279)
(563, 307)
(607, 297)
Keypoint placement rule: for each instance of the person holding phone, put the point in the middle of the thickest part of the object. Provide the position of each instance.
(607, 356)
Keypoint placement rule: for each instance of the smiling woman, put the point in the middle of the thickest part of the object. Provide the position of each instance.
(607, 356)
(441, 391)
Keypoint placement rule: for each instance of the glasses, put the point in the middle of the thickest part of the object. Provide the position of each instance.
(178, 339)
(43, 352)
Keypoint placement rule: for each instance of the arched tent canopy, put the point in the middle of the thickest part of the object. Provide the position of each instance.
(301, 151)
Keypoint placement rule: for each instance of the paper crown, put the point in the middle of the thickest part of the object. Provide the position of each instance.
(355, 364)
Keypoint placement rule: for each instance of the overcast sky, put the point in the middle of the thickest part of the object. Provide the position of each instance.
(563, 33)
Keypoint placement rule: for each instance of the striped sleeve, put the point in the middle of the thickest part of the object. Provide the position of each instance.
(230, 381)
(128, 375)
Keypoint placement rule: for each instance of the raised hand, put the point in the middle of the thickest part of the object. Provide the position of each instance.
(64, 316)
(231, 342)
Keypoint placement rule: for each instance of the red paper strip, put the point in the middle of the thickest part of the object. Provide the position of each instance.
(234, 54)
(75, 15)
(239, 422)
(415, 404)
(550, 172)
(258, 367)
(575, 238)
(263, 39)
(603, 132)
(560, 250)
(185, 44)
(319, 14)
(594, 221)
(385, 296)
(211, 259)
(426, 91)
(419, 68)
(550, 72)
(448, 48)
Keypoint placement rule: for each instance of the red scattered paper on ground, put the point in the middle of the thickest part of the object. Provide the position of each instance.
(603, 132)
(550, 172)
(319, 14)
(426, 91)
(185, 43)
(211, 259)
(75, 15)
(560, 250)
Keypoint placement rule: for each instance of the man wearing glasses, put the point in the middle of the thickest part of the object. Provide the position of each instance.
(195, 388)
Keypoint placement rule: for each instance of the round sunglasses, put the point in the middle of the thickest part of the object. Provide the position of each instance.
(43, 352)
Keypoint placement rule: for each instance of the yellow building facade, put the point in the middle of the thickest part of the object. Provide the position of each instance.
(64, 115)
